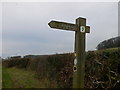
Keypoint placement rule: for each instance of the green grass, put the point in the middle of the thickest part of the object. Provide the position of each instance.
(7, 81)
(0, 76)
(107, 50)
(21, 78)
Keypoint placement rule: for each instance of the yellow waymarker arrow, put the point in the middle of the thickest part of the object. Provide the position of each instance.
(75, 54)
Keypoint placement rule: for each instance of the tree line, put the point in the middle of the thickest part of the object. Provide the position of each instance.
(110, 43)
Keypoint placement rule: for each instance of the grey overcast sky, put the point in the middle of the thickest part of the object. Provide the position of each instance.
(26, 31)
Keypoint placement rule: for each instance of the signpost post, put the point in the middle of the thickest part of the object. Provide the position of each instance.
(80, 29)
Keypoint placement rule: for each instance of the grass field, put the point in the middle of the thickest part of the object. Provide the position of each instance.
(108, 49)
(7, 82)
(20, 78)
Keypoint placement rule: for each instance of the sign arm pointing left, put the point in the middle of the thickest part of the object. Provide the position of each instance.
(62, 25)
(66, 26)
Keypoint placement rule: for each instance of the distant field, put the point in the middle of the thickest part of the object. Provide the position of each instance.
(108, 49)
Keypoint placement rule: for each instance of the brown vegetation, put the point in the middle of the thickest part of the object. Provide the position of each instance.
(102, 68)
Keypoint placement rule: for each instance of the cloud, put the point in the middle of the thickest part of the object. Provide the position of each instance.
(25, 26)
(0, 29)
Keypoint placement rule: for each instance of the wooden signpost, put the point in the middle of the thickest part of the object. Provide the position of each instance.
(80, 29)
